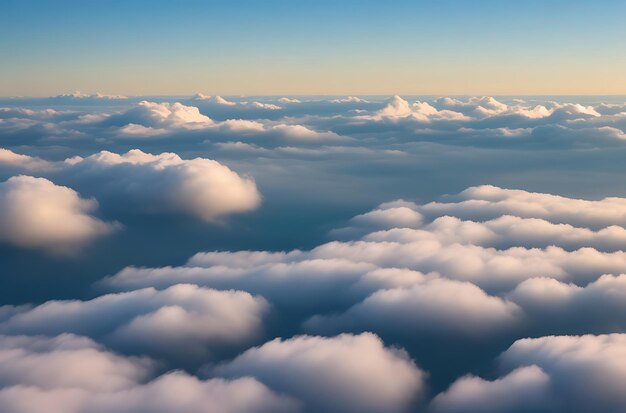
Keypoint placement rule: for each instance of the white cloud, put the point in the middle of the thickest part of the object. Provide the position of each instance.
(345, 373)
(67, 361)
(349, 99)
(288, 100)
(585, 370)
(172, 392)
(152, 322)
(11, 159)
(166, 183)
(523, 390)
(167, 115)
(488, 201)
(549, 374)
(398, 108)
(268, 106)
(36, 213)
(435, 306)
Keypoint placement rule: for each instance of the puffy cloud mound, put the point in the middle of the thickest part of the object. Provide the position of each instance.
(73, 374)
(489, 201)
(36, 213)
(345, 373)
(398, 108)
(166, 183)
(523, 390)
(433, 306)
(165, 115)
(550, 374)
(481, 261)
(67, 361)
(173, 392)
(11, 159)
(153, 322)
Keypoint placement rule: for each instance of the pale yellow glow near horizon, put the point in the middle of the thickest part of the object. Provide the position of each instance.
(452, 78)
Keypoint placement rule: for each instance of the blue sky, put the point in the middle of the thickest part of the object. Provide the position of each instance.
(313, 47)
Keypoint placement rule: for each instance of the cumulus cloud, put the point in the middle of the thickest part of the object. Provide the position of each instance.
(599, 306)
(490, 201)
(73, 374)
(523, 390)
(162, 115)
(435, 306)
(548, 374)
(349, 99)
(345, 373)
(36, 213)
(288, 100)
(496, 255)
(166, 183)
(80, 95)
(67, 360)
(147, 321)
(10, 159)
(173, 392)
(398, 108)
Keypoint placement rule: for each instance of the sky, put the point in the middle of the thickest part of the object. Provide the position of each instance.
(454, 47)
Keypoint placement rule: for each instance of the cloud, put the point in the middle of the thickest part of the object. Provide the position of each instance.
(288, 100)
(80, 95)
(505, 232)
(198, 187)
(487, 201)
(495, 255)
(523, 390)
(349, 99)
(162, 115)
(548, 374)
(10, 159)
(268, 106)
(302, 133)
(599, 306)
(398, 108)
(36, 213)
(345, 373)
(157, 323)
(67, 361)
(583, 369)
(73, 374)
(173, 392)
(434, 306)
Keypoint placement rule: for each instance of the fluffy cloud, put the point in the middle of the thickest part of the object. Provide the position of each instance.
(345, 373)
(523, 390)
(599, 306)
(434, 306)
(166, 183)
(488, 201)
(73, 374)
(549, 374)
(159, 323)
(398, 108)
(67, 361)
(288, 100)
(177, 392)
(36, 213)
(10, 159)
(163, 115)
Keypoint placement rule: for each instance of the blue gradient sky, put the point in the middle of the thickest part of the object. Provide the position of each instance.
(312, 47)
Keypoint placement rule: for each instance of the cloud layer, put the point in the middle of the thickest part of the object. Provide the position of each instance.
(356, 285)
